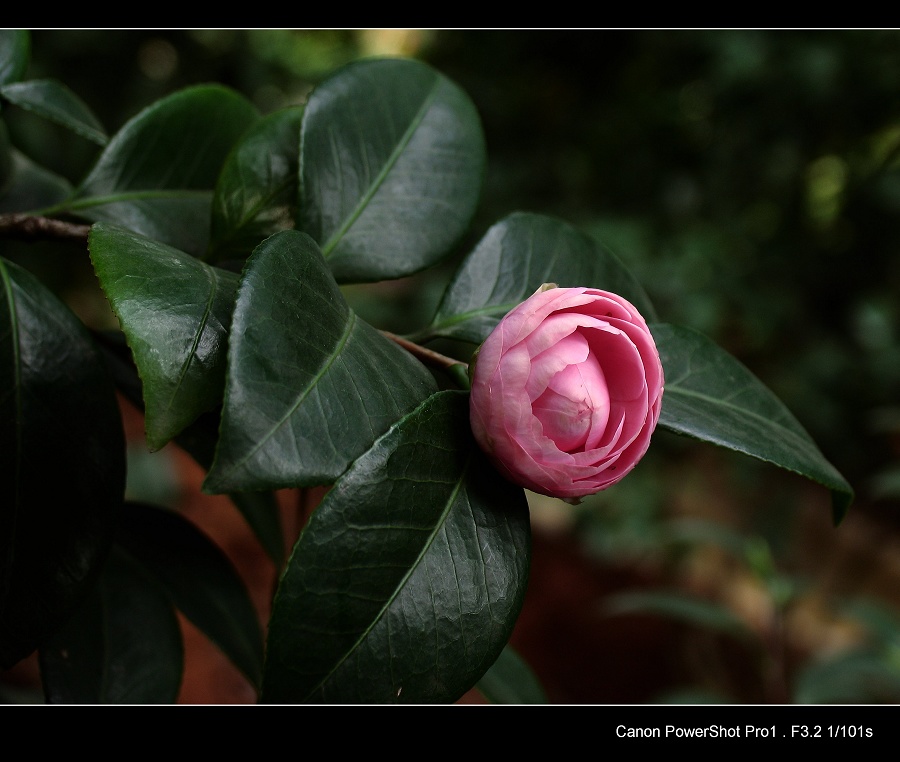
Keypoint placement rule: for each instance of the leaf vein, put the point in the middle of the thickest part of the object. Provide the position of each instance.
(379, 179)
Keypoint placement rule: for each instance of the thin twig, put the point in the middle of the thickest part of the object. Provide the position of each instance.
(427, 356)
(31, 227)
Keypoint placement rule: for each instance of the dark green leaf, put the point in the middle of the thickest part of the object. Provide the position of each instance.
(199, 579)
(515, 257)
(711, 396)
(156, 176)
(123, 646)
(256, 194)
(511, 681)
(392, 159)
(310, 386)
(406, 583)
(62, 469)
(175, 312)
(53, 100)
(679, 606)
(30, 186)
(15, 50)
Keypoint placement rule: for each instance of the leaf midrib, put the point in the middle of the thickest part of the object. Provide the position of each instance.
(426, 546)
(138, 195)
(719, 402)
(339, 346)
(462, 317)
(817, 470)
(213, 283)
(389, 164)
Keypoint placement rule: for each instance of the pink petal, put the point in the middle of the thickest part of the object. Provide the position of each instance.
(571, 349)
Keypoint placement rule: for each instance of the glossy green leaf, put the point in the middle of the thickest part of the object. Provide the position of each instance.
(709, 395)
(514, 258)
(175, 312)
(695, 611)
(15, 51)
(406, 583)
(123, 646)
(256, 194)
(310, 385)
(392, 158)
(156, 176)
(62, 470)
(53, 100)
(30, 186)
(511, 681)
(199, 579)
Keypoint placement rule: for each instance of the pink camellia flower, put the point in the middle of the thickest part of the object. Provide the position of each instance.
(566, 391)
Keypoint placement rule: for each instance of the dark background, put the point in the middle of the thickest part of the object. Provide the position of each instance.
(751, 180)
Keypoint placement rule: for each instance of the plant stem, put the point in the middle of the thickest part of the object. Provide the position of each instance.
(31, 227)
(457, 369)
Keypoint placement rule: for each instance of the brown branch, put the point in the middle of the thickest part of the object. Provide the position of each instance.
(29, 227)
(427, 356)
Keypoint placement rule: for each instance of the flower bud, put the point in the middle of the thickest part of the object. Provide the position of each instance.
(566, 391)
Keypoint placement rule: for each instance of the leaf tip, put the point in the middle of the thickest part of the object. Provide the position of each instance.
(840, 504)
